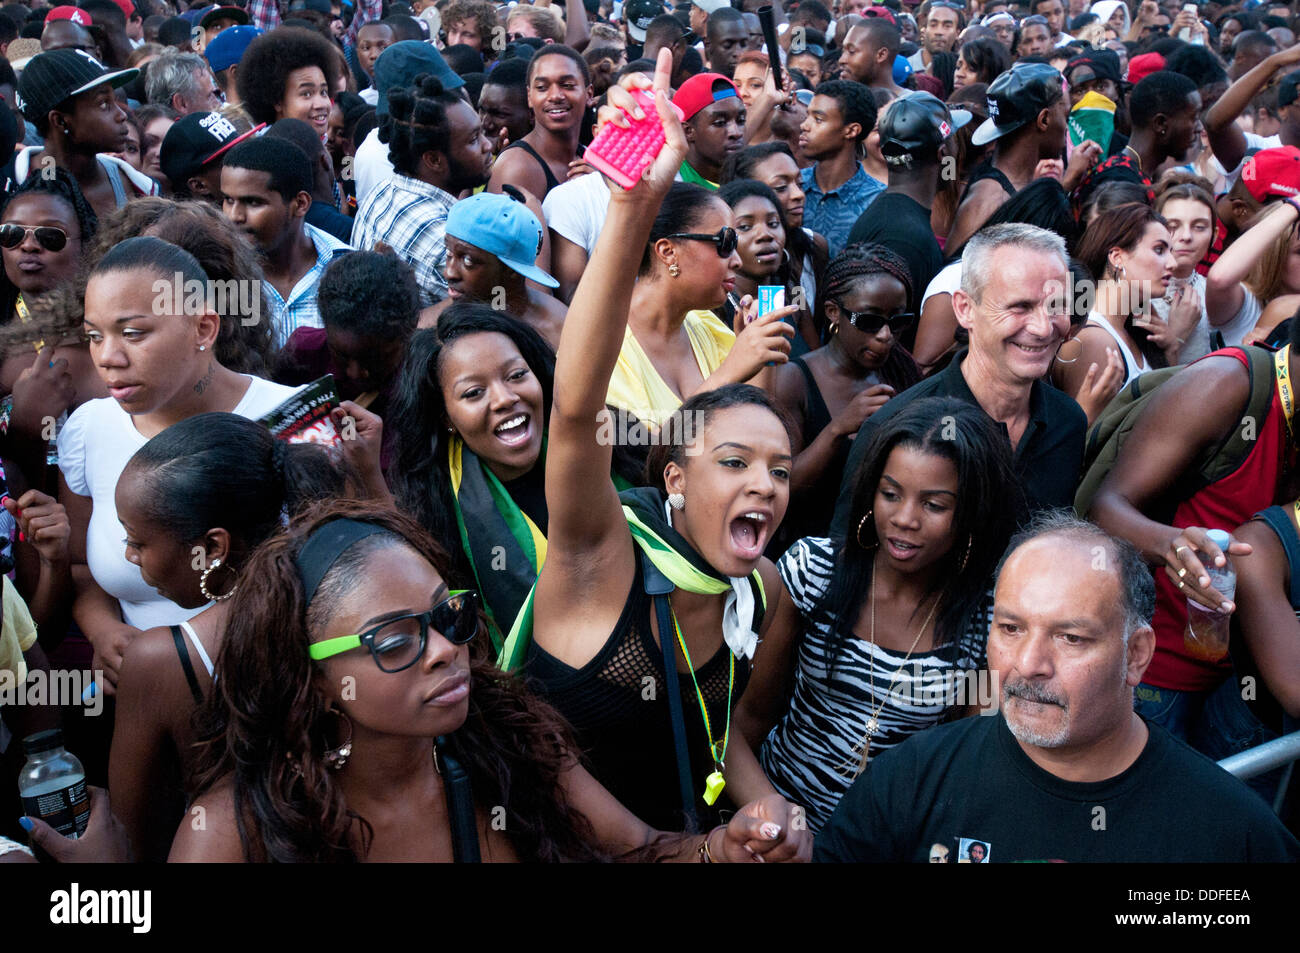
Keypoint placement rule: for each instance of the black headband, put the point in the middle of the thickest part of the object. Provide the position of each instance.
(324, 547)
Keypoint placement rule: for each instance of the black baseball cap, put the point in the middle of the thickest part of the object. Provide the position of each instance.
(916, 124)
(215, 13)
(1017, 97)
(1288, 90)
(195, 140)
(55, 77)
(638, 14)
(1093, 64)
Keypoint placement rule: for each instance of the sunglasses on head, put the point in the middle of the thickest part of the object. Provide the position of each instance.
(48, 236)
(399, 643)
(724, 241)
(870, 322)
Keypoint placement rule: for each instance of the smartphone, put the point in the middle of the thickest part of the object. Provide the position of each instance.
(1185, 34)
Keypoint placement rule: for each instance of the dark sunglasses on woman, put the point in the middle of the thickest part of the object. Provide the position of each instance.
(870, 322)
(48, 236)
(724, 241)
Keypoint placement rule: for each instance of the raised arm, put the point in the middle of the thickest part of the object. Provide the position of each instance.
(1223, 289)
(589, 556)
(1227, 141)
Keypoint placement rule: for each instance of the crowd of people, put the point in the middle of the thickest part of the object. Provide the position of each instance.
(904, 416)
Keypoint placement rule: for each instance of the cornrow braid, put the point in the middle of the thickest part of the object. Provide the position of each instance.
(859, 260)
(416, 122)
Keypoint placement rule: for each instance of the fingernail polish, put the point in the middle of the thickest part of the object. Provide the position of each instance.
(25, 823)
(770, 831)
(22, 537)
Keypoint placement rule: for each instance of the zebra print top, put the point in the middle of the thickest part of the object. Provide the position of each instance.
(811, 755)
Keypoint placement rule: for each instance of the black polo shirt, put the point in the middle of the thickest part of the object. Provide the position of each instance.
(1048, 460)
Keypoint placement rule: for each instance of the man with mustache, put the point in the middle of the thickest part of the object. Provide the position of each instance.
(1066, 770)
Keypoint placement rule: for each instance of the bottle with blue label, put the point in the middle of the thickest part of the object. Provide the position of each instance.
(52, 784)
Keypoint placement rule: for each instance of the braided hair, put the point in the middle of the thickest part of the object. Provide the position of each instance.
(416, 122)
(862, 260)
(63, 186)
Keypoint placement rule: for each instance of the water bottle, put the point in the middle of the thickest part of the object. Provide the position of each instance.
(52, 784)
(1208, 629)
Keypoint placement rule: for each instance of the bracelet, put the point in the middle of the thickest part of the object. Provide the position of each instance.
(706, 856)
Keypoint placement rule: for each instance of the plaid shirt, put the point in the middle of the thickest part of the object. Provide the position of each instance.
(266, 16)
(833, 213)
(410, 217)
(300, 310)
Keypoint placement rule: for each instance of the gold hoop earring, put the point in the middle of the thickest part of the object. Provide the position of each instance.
(203, 584)
(835, 328)
(674, 270)
(336, 758)
(861, 526)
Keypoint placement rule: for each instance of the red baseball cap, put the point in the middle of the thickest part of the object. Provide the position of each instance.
(1140, 67)
(75, 14)
(1272, 173)
(703, 89)
(883, 12)
(127, 7)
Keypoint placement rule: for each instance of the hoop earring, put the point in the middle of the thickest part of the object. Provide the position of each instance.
(970, 541)
(674, 270)
(336, 758)
(862, 523)
(203, 584)
(677, 501)
(1077, 350)
(835, 328)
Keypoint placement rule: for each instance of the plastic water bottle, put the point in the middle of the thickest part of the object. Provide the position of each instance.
(1208, 629)
(52, 784)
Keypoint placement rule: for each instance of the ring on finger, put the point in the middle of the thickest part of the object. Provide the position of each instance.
(1181, 584)
(1179, 550)
(1182, 572)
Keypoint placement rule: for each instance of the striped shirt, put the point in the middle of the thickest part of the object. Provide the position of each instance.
(410, 217)
(299, 309)
(811, 756)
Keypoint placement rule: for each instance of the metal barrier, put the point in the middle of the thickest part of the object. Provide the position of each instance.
(1264, 758)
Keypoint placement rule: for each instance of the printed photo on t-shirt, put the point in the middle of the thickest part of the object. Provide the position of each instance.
(972, 851)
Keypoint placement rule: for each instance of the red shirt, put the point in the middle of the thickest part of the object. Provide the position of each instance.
(1224, 505)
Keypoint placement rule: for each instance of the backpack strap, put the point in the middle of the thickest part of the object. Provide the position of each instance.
(658, 586)
(460, 806)
(1228, 456)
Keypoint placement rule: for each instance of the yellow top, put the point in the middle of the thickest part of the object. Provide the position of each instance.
(637, 387)
(17, 633)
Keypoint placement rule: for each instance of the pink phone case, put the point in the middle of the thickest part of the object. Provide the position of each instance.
(623, 154)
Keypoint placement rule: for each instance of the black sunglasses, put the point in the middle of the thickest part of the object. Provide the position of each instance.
(399, 643)
(870, 322)
(724, 241)
(49, 237)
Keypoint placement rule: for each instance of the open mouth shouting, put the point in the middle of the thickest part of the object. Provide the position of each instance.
(749, 533)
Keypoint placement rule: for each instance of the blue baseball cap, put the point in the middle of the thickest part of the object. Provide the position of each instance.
(227, 47)
(504, 227)
(902, 70)
(398, 66)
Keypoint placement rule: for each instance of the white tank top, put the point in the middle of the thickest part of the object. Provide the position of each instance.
(1132, 367)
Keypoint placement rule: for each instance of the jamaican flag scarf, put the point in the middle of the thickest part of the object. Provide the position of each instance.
(647, 515)
(506, 549)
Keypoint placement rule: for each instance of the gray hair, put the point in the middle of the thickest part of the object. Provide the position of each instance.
(1137, 587)
(172, 73)
(977, 258)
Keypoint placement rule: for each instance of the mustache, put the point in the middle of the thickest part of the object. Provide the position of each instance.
(1031, 692)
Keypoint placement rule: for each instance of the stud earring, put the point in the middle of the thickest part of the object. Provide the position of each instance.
(203, 347)
(677, 501)
(674, 270)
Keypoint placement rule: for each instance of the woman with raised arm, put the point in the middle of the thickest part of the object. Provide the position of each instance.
(647, 611)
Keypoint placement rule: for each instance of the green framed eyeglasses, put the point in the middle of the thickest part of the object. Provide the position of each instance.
(399, 643)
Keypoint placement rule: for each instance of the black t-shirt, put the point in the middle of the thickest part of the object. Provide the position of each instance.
(902, 224)
(967, 790)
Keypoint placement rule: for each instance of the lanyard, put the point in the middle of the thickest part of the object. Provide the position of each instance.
(715, 782)
(1282, 364)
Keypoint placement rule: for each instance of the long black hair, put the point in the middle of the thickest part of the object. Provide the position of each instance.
(422, 481)
(990, 506)
(1042, 202)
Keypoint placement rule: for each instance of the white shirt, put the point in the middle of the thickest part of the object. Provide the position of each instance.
(94, 447)
(1133, 366)
(370, 165)
(945, 282)
(576, 209)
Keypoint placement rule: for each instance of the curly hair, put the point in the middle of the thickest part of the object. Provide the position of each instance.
(855, 102)
(265, 67)
(61, 185)
(265, 725)
(416, 122)
(245, 343)
(483, 13)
